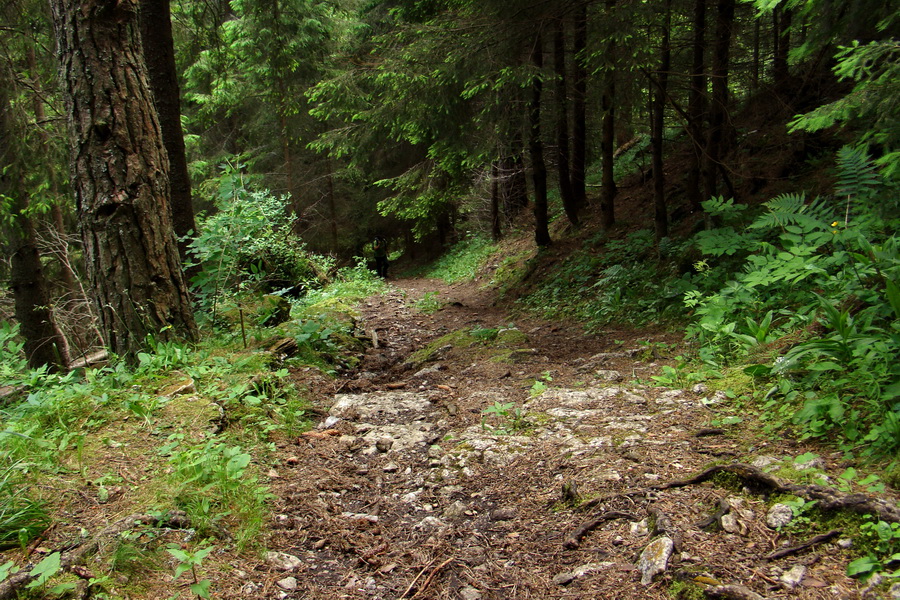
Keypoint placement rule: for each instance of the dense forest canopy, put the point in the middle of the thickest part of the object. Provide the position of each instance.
(234, 139)
(190, 198)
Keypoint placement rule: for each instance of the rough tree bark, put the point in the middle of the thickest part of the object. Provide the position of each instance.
(159, 54)
(120, 176)
(536, 146)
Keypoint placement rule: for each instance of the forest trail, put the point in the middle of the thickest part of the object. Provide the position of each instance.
(440, 469)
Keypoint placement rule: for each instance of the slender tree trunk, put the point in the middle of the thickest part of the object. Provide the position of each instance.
(44, 343)
(697, 104)
(719, 109)
(754, 74)
(562, 124)
(332, 205)
(661, 218)
(60, 251)
(783, 17)
(579, 126)
(514, 196)
(120, 176)
(608, 135)
(538, 168)
(496, 231)
(159, 54)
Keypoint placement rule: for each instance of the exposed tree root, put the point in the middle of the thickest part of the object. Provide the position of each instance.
(575, 539)
(827, 498)
(819, 539)
(78, 554)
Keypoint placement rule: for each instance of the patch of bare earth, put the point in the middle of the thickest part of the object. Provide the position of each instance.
(407, 489)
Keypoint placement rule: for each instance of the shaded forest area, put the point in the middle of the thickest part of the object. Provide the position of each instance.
(423, 122)
(189, 192)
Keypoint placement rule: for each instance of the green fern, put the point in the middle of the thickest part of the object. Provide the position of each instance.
(793, 210)
(857, 175)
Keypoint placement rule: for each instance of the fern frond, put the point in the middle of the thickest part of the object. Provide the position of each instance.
(857, 175)
(792, 209)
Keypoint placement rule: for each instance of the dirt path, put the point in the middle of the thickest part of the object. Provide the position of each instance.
(409, 489)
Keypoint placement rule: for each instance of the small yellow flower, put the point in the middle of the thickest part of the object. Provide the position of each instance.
(836, 223)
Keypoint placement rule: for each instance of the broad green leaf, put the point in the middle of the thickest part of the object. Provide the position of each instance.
(44, 570)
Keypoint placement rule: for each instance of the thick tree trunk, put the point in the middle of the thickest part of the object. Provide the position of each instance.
(562, 125)
(536, 145)
(44, 343)
(661, 217)
(697, 104)
(159, 54)
(120, 176)
(579, 103)
(719, 109)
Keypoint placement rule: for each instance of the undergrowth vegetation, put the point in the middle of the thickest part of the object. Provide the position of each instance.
(187, 429)
(800, 293)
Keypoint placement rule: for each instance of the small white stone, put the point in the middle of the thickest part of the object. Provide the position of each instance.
(792, 578)
(288, 583)
(282, 561)
(654, 559)
(779, 515)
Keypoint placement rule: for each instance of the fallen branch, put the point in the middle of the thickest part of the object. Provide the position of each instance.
(819, 539)
(716, 517)
(434, 571)
(68, 560)
(574, 540)
(827, 498)
(413, 582)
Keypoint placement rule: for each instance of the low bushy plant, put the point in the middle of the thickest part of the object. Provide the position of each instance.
(809, 290)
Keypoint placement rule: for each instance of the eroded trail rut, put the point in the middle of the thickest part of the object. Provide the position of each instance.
(408, 489)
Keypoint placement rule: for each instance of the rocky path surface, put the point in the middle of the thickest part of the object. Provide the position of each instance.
(463, 455)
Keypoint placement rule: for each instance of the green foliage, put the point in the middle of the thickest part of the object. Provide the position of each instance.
(462, 261)
(682, 375)
(192, 561)
(508, 419)
(623, 281)
(540, 385)
(883, 542)
(249, 243)
(871, 105)
(21, 518)
(815, 280)
(12, 358)
(210, 482)
(430, 304)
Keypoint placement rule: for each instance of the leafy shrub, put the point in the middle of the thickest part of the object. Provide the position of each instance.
(249, 243)
(462, 261)
(815, 281)
(625, 281)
